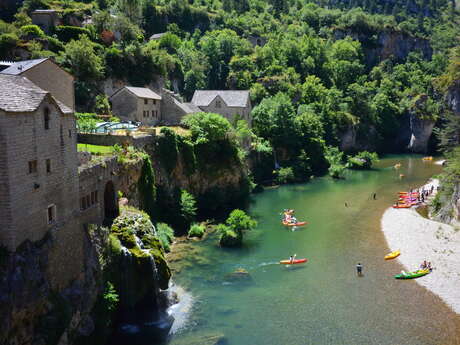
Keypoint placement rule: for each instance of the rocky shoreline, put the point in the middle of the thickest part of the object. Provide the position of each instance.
(420, 239)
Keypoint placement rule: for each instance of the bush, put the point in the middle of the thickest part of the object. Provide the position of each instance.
(228, 237)
(196, 230)
(66, 33)
(166, 235)
(285, 175)
(232, 230)
(363, 160)
(335, 158)
(31, 30)
(7, 43)
(187, 206)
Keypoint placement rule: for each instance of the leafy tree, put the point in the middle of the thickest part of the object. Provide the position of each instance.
(187, 206)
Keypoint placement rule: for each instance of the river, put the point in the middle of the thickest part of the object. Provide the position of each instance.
(322, 302)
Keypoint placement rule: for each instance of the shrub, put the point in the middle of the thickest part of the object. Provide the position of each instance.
(7, 43)
(31, 30)
(363, 160)
(232, 230)
(66, 33)
(335, 158)
(166, 235)
(228, 237)
(196, 230)
(285, 175)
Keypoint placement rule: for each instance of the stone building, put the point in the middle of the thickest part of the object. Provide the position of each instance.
(230, 104)
(38, 162)
(48, 76)
(46, 19)
(137, 104)
(173, 109)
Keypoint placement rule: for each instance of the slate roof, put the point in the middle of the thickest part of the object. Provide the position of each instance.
(157, 36)
(202, 98)
(21, 66)
(19, 94)
(142, 92)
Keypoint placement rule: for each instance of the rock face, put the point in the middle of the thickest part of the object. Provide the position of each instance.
(453, 97)
(382, 45)
(421, 131)
(32, 312)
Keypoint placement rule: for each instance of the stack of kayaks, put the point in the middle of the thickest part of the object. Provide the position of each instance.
(412, 275)
(406, 200)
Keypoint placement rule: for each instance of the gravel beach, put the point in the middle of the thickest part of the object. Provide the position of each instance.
(420, 239)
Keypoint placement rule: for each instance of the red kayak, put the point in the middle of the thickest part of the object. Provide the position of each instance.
(294, 224)
(297, 261)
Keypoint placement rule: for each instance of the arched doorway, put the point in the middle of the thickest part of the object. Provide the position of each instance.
(110, 204)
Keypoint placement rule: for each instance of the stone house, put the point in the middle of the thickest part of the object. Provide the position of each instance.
(157, 37)
(230, 104)
(38, 162)
(48, 76)
(138, 104)
(173, 109)
(46, 19)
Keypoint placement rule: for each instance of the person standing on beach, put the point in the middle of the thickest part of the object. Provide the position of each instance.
(359, 269)
(375, 196)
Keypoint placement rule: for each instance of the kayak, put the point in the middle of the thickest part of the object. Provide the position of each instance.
(405, 193)
(393, 255)
(427, 158)
(402, 206)
(411, 275)
(297, 261)
(293, 224)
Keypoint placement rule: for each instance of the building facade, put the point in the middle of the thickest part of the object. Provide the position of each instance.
(38, 162)
(48, 76)
(230, 104)
(46, 19)
(137, 104)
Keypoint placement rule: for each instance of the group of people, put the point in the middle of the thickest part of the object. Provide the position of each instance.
(424, 265)
(424, 193)
(288, 217)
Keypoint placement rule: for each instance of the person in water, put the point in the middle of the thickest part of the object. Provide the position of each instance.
(359, 269)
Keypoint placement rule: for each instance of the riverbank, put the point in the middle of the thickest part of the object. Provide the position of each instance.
(420, 239)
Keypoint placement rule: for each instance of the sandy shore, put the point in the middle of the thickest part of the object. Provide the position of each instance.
(421, 239)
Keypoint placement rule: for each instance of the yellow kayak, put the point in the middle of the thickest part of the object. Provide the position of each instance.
(393, 255)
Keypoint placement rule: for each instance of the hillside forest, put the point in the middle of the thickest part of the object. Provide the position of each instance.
(317, 70)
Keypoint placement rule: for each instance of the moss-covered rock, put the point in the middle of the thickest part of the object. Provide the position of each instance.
(136, 250)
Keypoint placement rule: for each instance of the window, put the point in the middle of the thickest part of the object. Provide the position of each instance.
(48, 165)
(89, 200)
(51, 214)
(147, 113)
(146, 101)
(218, 104)
(70, 133)
(32, 167)
(47, 118)
(154, 101)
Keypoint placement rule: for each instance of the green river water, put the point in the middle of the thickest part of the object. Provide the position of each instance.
(321, 302)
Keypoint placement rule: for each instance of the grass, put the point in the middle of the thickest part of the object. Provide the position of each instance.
(95, 149)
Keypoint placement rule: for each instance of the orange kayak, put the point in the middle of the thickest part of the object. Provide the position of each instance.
(402, 206)
(297, 261)
(293, 224)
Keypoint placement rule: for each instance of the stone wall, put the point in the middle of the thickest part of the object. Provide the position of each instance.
(110, 140)
(230, 113)
(172, 109)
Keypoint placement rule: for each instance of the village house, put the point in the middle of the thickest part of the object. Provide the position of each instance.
(48, 76)
(46, 19)
(138, 104)
(230, 104)
(38, 162)
(157, 37)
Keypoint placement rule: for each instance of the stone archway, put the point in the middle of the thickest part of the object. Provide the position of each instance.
(110, 203)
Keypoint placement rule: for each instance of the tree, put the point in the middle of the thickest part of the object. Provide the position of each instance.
(187, 207)
(207, 127)
(81, 59)
(232, 232)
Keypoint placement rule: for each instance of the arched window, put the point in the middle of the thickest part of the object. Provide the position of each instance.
(47, 118)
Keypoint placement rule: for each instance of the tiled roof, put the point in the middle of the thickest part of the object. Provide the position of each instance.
(202, 98)
(191, 108)
(143, 92)
(21, 66)
(19, 94)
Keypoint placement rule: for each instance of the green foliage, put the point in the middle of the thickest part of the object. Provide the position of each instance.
(232, 231)
(167, 148)
(31, 31)
(66, 33)
(166, 235)
(7, 43)
(110, 297)
(363, 160)
(103, 106)
(86, 122)
(147, 189)
(285, 175)
(196, 230)
(335, 158)
(187, 206)
(207, 127)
